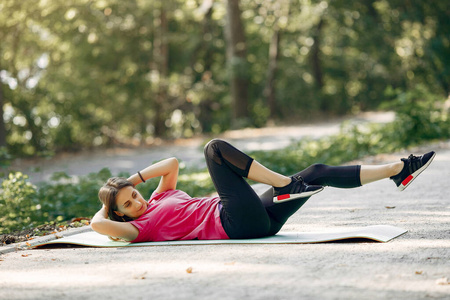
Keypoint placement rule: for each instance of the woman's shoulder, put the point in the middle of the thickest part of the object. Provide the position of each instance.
(169, 193)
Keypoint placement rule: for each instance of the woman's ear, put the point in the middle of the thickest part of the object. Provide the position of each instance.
(119, 213)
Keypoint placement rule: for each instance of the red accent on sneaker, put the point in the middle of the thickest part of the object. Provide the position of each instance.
(408, 179)
(282, 197)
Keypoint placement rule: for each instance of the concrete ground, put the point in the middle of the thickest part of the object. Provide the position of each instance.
(415, 265)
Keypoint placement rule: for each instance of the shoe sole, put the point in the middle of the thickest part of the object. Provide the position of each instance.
(408, 180)
(289, 197)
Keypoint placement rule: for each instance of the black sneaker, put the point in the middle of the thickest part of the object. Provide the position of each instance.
(294, 190)
(414, 165)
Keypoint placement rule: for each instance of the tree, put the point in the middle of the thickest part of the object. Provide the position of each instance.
(2, 122)
(20, 54)
(78, 74)
(269, 90)
(161, 66)
(283, 7)
(237, 62)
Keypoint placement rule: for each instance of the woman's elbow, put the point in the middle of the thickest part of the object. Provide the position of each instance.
(174, 160)
(95, 225)
(174, 164)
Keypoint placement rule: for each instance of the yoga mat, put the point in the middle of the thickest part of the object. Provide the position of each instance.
(379, 233)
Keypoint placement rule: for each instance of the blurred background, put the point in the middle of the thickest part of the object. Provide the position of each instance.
(78, 74)
(94, 74)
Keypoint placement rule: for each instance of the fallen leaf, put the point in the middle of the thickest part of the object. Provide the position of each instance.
(142, 276)
(390, 207)
(28, 244)
(230, 263)
(25, 255)
(79, 219)
(419, 272)
(189, 270)
(443, 281)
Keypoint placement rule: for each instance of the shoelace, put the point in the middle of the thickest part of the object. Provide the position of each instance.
(413, 157)
(298, 178)
(414, 162)
(296, 188)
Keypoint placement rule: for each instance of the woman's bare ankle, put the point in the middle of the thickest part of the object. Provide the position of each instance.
(397, 168)
(282, 182)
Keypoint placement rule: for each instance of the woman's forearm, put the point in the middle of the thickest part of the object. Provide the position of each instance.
(167, 169)
(103, 225)
(102, 214)
(98, 218)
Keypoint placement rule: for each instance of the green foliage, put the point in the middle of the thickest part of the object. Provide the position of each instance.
(24, 205)
(65, 197)
(421, 115)
(79, 74)
(19, 203)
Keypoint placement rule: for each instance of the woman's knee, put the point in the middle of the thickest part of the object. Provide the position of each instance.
(318, 168)
(214, 143)
(211, 150)
(313, 172)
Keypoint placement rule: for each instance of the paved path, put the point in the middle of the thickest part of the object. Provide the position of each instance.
(413, 266)
(189, 151)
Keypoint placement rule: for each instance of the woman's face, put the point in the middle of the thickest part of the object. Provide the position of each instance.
(130, 203)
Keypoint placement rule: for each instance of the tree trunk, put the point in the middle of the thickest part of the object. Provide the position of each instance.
(161, 57)
(2, 122)
(274, 53)
(237, 62)
(269, 91)
(316, 66)
(205, 51)
(315, 56)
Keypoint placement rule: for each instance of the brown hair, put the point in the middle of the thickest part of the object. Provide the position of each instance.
(108, 193)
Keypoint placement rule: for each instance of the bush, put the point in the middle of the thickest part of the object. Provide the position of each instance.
(421, 116)
(18, 203)
(24, 205)
(64, 197)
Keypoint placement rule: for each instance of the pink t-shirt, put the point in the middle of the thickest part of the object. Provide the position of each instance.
(174, 215)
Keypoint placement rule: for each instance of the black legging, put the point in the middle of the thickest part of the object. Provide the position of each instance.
(244, 215)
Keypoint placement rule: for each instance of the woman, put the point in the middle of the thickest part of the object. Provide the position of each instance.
(238, 212)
